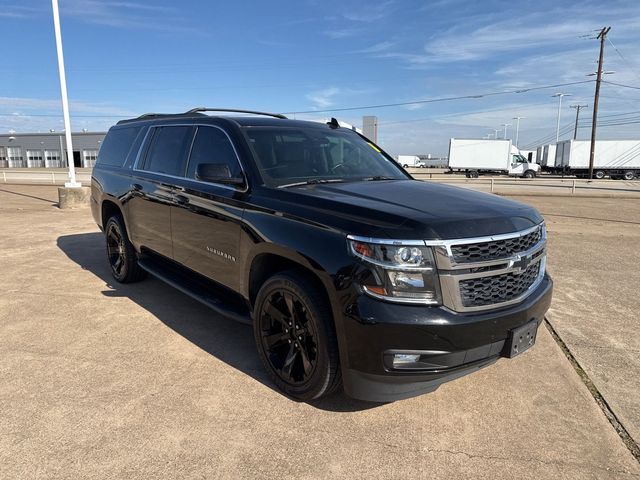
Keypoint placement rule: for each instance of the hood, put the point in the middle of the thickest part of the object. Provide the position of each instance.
(406, 209)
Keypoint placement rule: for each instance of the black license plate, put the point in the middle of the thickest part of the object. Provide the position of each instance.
(523, 338)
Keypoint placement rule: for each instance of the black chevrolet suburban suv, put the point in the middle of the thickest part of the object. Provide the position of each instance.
(350, 271)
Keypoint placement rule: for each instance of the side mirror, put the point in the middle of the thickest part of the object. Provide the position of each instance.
(217, 173)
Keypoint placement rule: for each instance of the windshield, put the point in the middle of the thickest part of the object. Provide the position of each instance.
(292, 155)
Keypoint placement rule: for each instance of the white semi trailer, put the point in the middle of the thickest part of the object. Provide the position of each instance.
(618, 159)
(477, 156)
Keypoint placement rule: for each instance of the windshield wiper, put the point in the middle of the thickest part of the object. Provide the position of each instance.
(377, 178)
(313, 181)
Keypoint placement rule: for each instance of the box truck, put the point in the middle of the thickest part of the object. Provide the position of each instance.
(477, 156)
(409, 160)
(548, 162)
(618, 159)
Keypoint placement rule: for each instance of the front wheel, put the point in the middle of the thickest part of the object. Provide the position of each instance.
(529, 174)
(296, 340)
(629, 175)
(599, 174)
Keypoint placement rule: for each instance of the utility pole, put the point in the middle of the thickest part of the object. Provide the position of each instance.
(577, 107)
(517, 119)
(602, 37)
(505, 125)
(559, 95)
(65, 102)
(495, 133)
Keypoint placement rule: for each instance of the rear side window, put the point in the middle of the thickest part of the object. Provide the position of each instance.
(116, 146)
(212, 145)
(168, 151)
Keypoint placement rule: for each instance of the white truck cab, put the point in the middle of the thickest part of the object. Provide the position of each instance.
(520, 166)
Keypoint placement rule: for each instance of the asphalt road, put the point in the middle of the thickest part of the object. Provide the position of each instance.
(101, 380)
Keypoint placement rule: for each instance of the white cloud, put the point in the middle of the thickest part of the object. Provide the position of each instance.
(323, 98)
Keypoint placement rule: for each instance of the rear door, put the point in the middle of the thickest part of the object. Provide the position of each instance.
(206, 217)
(152, 187)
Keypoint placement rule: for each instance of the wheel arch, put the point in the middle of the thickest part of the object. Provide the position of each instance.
(108, 209)
(264, 264)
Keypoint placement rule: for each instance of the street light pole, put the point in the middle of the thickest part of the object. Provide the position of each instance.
(559, 95)
(517, 119)
(65, 102)
(505, 125)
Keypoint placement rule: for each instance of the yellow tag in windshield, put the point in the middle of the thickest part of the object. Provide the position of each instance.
(374, 147)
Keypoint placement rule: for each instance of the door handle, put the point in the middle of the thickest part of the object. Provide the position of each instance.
(181, 199)
(136, 186)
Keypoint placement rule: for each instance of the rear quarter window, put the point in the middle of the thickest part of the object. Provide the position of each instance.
(117, 145)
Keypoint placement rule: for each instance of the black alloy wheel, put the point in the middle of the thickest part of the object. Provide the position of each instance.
(121, 254)
(116, 252)
(289, 337)
(295, 336)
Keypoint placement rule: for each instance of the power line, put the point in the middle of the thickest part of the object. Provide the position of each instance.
(624, 58)
(442, 99)
(621, 85)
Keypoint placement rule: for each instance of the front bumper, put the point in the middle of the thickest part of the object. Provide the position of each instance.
(454, 344)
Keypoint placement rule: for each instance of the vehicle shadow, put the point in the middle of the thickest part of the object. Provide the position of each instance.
(227, 340)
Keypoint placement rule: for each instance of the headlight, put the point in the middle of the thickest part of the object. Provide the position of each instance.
(405, 271)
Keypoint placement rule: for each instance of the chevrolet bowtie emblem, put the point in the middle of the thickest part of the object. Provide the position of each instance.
(520, 264)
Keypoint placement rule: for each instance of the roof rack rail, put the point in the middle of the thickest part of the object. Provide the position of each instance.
(234, 110)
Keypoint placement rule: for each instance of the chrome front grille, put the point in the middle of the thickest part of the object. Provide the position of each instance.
(497, 288)
(490, 272)
(495, 249)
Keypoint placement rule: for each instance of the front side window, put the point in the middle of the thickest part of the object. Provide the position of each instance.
(288, 155)
(212, 145)
(167, 153)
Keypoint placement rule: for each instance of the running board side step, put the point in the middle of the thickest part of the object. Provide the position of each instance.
(199, 289)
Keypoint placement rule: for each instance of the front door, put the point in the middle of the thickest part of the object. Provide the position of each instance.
(206, 217)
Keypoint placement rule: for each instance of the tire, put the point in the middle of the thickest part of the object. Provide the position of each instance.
(405, 166)
(529, 174)
(295, 336)
(475, 174)
(599, 174)
(629, 175)
(122, 257)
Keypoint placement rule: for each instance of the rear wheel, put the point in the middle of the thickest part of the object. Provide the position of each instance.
(295, 336)
(121, 255)
(599, 174)
(629, 175)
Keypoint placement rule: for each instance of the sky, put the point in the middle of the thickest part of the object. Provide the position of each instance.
(128, 57)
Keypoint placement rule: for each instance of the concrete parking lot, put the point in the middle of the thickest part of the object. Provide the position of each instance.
(101, 380)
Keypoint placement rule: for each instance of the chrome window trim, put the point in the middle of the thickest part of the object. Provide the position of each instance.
(220, 185)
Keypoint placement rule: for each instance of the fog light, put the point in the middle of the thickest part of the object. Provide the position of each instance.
(403, 360)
